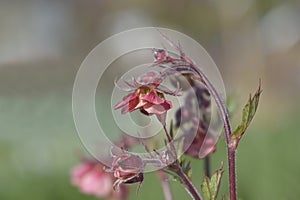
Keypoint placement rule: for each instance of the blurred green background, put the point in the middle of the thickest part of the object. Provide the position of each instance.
(43, 42)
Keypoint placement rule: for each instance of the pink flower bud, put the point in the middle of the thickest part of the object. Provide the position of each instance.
(160, 55)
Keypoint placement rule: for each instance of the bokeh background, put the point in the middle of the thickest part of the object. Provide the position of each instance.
(43, 42)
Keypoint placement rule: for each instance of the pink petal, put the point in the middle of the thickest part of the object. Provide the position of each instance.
(132, 105)
(140, 104)
(79, 171)
(129, 103)
(154, 109)
(96, 183)
(126, 100)
(152, 97)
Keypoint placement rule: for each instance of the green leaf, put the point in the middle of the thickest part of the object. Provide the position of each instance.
(210, 186)
(248, 114)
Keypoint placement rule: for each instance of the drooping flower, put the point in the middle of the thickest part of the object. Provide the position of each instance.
(146, 97)
(193, 119)
(90, 178)
(127, 169)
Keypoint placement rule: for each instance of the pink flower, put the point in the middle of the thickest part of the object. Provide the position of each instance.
(147, 95)
(90, 178)
(127, 169)
(160, 55)
(147, 100)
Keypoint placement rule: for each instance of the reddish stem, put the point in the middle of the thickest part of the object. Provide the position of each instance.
(222, 111)
(227, 128)
(231, 173)
(188, 185)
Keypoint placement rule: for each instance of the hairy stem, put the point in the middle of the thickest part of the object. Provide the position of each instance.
(232, 178)
(165, 185)
(219, 102)
(225, 118)
(188, 185)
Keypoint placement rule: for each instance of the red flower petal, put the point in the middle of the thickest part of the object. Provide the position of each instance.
(126, 100)
(79, 171)
(152, 97)
(129, 103)
(96, 183)
(158, 109)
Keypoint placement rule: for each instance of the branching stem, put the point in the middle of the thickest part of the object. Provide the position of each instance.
(176, 168)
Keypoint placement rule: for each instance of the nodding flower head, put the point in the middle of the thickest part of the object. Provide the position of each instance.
(204, 142)
(127, 169)
(146, 96)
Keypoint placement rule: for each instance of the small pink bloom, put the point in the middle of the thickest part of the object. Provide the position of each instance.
(160, 55)
(128, 169)
(129, 103)
(79, 171)
(90, 178)
(148, 96)
(149, 101)
(153, 104)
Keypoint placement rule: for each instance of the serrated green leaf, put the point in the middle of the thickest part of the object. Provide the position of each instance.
(248, 114)
(210, 186)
